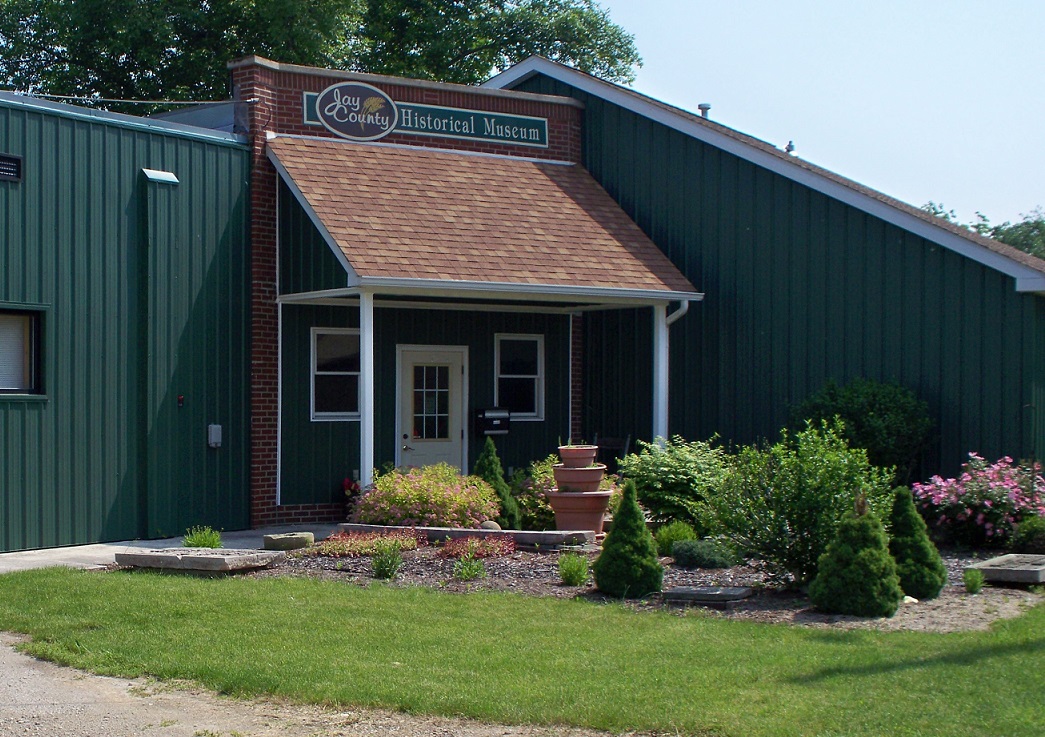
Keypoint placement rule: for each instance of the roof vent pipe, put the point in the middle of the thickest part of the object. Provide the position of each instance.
(704, 108)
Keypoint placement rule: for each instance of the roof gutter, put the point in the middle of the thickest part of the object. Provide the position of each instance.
(506, 291)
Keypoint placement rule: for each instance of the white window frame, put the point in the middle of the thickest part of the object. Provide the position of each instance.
(30, 352)
(330, 416)
(538, 415)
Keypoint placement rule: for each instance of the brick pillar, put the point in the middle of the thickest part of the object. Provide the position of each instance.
(254, 86)
(577, 378)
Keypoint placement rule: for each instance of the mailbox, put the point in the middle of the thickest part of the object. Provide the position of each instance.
(492, 421)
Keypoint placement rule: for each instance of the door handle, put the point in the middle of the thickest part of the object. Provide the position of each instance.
(407, 447)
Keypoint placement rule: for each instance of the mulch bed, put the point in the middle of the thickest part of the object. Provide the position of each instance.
(536, 574)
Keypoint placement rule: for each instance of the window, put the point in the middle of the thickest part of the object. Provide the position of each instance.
(20, 352)
(519, 385)
(335, 374)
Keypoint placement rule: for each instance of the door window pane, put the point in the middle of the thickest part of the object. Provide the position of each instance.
(431, 402)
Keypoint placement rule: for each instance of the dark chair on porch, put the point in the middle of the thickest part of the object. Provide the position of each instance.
(611, 450)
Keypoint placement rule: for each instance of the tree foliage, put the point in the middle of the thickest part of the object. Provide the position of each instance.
(488, 468)
(918, 563)
(177, 49)
(1027, 235)
(628, 567)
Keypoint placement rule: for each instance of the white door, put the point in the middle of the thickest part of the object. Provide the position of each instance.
(432, 405)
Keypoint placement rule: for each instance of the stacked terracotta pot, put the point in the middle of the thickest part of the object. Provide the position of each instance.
(576, 499)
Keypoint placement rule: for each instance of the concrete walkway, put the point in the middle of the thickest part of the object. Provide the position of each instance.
(104, 554)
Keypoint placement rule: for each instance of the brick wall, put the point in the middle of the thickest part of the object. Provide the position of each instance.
(271, 101)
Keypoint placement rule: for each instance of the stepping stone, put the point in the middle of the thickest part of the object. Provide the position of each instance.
(716, 597)
(200, 560)
(1013, 568)
(288, 540)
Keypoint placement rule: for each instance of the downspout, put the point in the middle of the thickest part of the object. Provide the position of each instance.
(680, 312)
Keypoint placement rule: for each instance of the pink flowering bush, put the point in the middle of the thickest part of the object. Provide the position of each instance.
(432, 496)
(981, 506)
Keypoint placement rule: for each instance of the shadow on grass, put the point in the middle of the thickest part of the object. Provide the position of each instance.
(967, 656)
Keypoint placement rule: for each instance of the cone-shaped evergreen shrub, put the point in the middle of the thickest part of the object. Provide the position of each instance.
(856, 574)
(488, 468)
(918, 564)
(628, 567)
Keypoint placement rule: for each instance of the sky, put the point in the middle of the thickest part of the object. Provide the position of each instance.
(922, 100)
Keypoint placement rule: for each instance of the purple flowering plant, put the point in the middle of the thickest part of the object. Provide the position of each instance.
(431, 496)
(982, 505)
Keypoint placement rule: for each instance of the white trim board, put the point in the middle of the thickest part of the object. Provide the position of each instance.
(1027, 279)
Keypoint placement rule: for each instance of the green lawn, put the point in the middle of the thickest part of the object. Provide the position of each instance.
(515, 659)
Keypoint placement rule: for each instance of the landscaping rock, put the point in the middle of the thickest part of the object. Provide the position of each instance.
(1013, 568)
(489, 525)
(200, 560)
(716, 597)
(288, 540)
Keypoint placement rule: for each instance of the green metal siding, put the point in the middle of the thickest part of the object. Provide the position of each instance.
(306, 263)
(145, 289)
(802, 288)
(316, 456)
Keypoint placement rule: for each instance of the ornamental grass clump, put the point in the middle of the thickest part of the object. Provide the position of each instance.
(432, 496)
(488, 468)
(202, 536)
(671, 533)
(477, 547)
(386, 559)
(983, 505)
(627, 567)
(358, 544)
(574, 569)
(673, 479)
(857, 575)
(918, 563)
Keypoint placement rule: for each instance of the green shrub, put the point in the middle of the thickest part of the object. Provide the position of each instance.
(674, 478)
(469, 569)
(387, 559)
(918, 564)
(488, 468)
(707, 553)
(973, 580)
(885, 419)
(432, 496)
(856, 574)
(202, 536)
(530, 489)
(783, 504)
(573, 569)
(672, 533)
(1030, 535)
(628, 567)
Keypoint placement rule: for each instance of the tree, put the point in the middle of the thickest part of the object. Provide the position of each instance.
(176, 49)
(1027, 235)
(918, 563)
(488, 468)
(627, 567)
(857, 575)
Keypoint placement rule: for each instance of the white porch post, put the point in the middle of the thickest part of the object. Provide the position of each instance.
(660, 371)
(366, 388)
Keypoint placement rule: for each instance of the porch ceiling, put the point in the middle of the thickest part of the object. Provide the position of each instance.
(410, 220)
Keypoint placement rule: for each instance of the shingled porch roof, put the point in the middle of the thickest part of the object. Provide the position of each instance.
(398, 216)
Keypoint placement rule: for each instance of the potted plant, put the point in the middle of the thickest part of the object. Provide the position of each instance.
(576, 499)
(578, 456)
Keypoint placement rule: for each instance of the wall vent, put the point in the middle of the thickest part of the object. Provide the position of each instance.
(10, 168)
